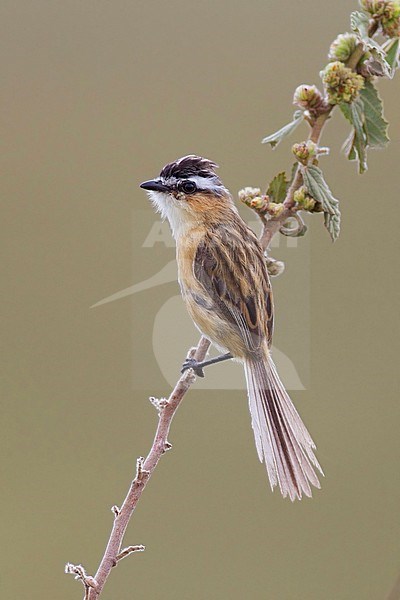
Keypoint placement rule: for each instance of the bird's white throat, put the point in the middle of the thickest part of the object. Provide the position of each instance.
(180, 218)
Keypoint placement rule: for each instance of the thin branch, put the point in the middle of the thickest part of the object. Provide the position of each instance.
(127, 551)
(144, 469)
(79, 573)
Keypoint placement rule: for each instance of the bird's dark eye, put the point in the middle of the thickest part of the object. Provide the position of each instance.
(188, 187)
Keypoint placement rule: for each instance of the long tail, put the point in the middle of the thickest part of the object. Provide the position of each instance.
(282, 439)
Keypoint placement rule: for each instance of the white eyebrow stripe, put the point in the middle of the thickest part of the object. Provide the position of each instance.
(204, 183)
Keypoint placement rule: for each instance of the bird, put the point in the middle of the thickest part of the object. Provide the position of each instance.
(225, 286)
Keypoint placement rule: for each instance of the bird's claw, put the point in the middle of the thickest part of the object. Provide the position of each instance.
(191, 363)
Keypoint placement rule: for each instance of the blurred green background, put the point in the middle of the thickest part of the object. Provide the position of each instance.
(99, 95)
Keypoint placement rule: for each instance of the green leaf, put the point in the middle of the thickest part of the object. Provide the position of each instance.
(332, 223)
(369, 126)
(392, 49)
(318, 189)
(360, 25)
(286, 130)
(277, 188)
(374, 123)
(348, 147)
(355, 146)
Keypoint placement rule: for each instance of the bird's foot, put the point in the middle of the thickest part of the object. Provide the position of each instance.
(191, 363)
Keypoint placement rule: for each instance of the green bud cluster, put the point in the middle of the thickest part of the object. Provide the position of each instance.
(248, 193)
(253, 198)
(390, 21)
(303, 200)
(386, 13)
(343, 47)
(258, 203)
(304, 151)
(310, 98)
(275, 209)
(341, 83)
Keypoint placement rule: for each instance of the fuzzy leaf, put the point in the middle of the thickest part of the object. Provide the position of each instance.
(360, 24)
(318, 189)
(275, 138)
(348, 147)
(277, 188)
(392, 49)
(332, 223)
(375, 124)
(355, 147)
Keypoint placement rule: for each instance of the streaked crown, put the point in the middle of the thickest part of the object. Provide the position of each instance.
(188, 166)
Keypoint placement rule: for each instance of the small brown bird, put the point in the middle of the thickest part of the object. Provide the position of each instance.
(225, 285)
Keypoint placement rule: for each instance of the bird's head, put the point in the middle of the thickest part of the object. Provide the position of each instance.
(187, 190)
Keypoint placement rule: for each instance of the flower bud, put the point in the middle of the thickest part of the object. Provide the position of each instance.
(304, 151)
(253, 198)
(368, 5)
(386, 13)
(258, 203)
(343, 47)
(308, 96)
(309, 204)
(275, 209)
(300, 195)
(390, 20)
(304, 201)
(376, 8)
(341, 84)
(247, 193)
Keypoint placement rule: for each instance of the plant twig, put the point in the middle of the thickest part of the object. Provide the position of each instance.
(79, 573)
(144, 469)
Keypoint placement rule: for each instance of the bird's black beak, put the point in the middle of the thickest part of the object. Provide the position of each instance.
(154, 185)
